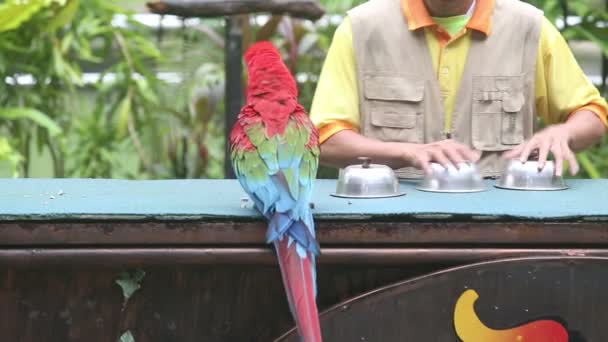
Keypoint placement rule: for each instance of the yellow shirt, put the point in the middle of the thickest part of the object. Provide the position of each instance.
(561, 86)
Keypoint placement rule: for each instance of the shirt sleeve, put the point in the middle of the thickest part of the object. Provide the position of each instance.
(335, 105)
(562, 88)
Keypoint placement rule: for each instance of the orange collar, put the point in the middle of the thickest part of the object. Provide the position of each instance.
(418, 16)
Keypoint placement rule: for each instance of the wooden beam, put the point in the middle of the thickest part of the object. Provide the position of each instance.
(161, 257)
(329, 233)
(306, 9)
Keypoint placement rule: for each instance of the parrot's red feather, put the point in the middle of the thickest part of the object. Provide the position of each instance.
(271, 90)
(298, 280)
(267, 71)
(272, 104)
(239, 138)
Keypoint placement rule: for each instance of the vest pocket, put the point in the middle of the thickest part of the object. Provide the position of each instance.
(394, 106)
(393, 124)
(497, 113)
(512, 119)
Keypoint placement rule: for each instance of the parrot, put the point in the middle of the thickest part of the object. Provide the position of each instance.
(274, 150)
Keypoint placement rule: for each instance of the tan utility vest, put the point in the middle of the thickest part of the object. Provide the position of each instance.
(399, 94)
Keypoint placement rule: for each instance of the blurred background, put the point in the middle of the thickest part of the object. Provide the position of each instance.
(105, 89)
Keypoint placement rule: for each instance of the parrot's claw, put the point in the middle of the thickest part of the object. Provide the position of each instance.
(312, 205)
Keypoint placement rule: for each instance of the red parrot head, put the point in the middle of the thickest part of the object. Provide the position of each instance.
(267, 71)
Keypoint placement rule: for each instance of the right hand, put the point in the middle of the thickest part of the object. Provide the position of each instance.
(445, 152)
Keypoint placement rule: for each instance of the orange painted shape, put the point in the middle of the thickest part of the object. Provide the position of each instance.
(470, 328)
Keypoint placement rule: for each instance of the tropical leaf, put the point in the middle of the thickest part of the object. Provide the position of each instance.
(16, 113)
(590, 31)
(124, 114)
(12, 15)
(64, 15)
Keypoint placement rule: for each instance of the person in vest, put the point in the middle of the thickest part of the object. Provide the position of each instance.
(410, 82)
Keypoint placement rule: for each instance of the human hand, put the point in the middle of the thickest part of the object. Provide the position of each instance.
(445, 152)
(554, 139)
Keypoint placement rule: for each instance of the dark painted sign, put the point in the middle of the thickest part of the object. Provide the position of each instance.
(519, 300)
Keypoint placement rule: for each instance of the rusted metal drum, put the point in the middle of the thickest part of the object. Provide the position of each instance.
(530, 299)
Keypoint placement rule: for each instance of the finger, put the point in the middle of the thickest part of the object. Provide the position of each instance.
(424, 164)
(476, 155)
(571, 158)
(525, 153)
(515, 152)
(543, 152)
(464, 152)
(558, 155)
(438, 156)
(454, 155)
(467, 153)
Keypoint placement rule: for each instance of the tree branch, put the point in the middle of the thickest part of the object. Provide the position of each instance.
(307, 9)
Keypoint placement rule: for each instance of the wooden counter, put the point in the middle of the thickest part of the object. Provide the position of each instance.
(209, 276)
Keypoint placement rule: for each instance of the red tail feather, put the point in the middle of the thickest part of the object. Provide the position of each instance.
(299, 285)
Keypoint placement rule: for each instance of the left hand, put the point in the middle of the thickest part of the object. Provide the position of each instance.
(554, 139)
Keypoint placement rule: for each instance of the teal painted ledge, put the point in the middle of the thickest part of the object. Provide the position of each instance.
(96, 199)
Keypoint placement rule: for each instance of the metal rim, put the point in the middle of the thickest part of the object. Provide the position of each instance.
(369, 196)
(453, 191)
(565, 187)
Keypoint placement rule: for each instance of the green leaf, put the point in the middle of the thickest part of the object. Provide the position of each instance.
(65, 15)
(16, 113)
(86, 53)
(66, 42)
(109, 6)
(12, 15)
(8, 154)
(73, 74)
(4, 62)
(588, 166)
(58, 64)
(127, 337)
(5, 148)
(146, 47)
(595, 34)
(124, 113)
(10, 46)
(145, 91)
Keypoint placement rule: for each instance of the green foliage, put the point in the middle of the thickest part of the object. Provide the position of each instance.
(15, 12)
(96, 148)
(130, 124)
(52, 44)
(9, 156)
(14, 113)
(340, 6)
(593, 14)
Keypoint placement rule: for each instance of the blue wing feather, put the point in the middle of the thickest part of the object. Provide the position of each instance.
(278, 188)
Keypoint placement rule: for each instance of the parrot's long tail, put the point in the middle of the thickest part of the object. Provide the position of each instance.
(300, 285)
